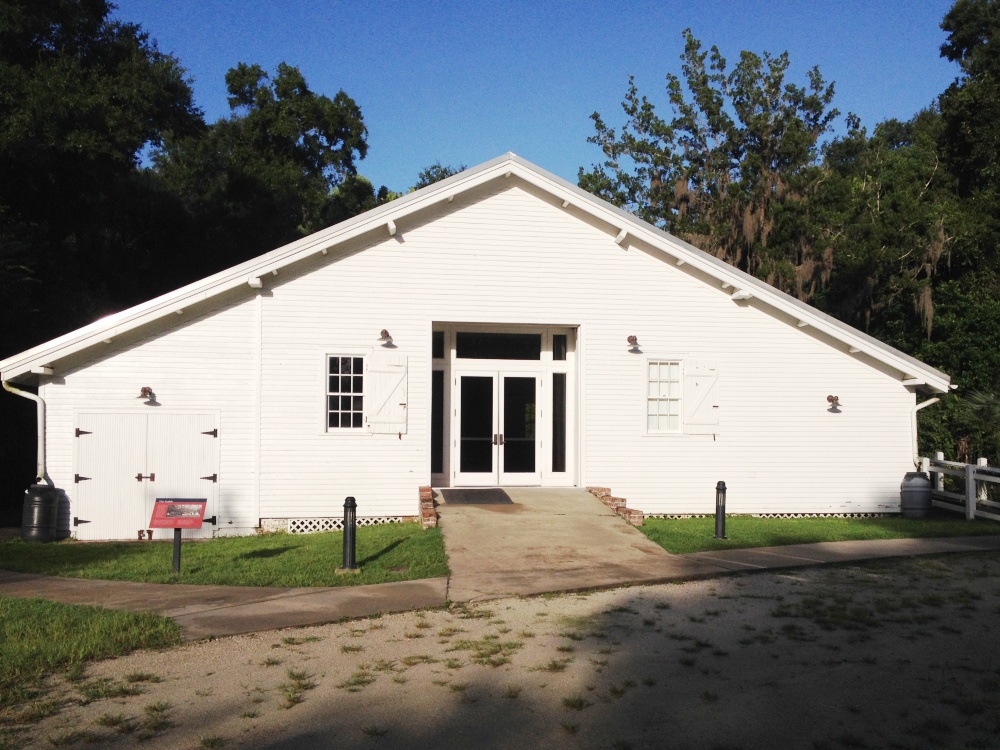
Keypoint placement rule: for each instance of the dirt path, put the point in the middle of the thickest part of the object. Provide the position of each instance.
(896, 653)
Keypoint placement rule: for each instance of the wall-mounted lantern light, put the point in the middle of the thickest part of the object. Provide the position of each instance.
(146, 393)
(633, 343)
(385, 337)
(834, 402)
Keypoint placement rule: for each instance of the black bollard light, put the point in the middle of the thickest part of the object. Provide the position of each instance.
(350, 532)
(720, 510)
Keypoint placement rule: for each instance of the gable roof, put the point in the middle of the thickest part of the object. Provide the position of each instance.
(619, 223)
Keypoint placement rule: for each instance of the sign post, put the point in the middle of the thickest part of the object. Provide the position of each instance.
(178, 513)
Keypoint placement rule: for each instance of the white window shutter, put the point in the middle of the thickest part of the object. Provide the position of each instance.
(385, 393)
(701, 398)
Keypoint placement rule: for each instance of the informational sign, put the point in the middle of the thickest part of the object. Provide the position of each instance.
(178, 513)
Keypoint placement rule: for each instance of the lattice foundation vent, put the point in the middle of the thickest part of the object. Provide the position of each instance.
(315, 525)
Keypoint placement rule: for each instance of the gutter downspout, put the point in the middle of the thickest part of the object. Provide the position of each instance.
(40, 474)
(913, 426)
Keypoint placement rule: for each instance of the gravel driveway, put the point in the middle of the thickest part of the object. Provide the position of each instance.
(889, 654)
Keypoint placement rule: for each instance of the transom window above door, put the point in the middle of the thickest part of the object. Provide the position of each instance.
(481, 345)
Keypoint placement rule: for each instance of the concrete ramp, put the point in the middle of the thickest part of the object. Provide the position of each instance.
(550, 540)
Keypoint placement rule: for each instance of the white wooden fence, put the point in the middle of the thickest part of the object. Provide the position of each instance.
(974, 501)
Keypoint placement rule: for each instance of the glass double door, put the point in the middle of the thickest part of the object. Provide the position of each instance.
(498, 435)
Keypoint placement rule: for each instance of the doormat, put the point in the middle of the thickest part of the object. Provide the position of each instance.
(486, 496)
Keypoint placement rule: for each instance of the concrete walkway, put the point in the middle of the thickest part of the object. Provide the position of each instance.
(548, 541)
(551, 540)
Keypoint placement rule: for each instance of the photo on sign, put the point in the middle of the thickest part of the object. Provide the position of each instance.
(183, 511)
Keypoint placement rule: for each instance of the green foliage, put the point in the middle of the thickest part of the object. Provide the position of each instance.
(732, 169)
(390, 552)
(39, 638)
(435, 173)
(264, 176)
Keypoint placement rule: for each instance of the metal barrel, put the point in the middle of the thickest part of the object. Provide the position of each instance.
(915, 495)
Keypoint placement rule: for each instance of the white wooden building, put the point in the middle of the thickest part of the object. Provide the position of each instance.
(502, 327)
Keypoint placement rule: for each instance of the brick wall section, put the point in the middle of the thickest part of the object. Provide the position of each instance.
(428, 516)
(618, 505)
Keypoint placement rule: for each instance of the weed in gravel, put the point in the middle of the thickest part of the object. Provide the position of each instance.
(488, 650)
(566, 649)
(211, 741)
(357, 681)
(399, 680)
(299, 681)
(662, 605)
(33, 712)
(513, 692)
(412, 661)
(295, 641)
(104, 687)
(65, 738)
(449, 632)
(526, 634)
(458, 687)
(374, 730)
(155, 721)
(467, 613)
(453, 663)
(350, 648)
(553, 665)
(250, 715)
(121, 723)
(134, 677)
(576, 702)
(570, 728)
(412, 635)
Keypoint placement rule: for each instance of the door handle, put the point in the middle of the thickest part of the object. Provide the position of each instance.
(501, 439)
(495, 439)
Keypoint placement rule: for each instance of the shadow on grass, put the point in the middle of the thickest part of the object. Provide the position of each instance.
(384, 551)
(264, 553)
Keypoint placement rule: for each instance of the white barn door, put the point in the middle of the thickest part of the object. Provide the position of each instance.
(126, 460)
(181, 451)
(110, 451)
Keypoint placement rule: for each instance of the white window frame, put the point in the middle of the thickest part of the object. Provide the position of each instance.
(360, 427)
(648, 397)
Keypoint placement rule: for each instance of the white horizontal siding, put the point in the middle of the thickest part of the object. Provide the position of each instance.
(513, 258)
(510, 257)
(198, 363)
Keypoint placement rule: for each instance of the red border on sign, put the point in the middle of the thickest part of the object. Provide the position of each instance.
(178, 513)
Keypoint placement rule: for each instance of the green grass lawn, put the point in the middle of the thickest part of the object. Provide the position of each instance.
(684, 535)
(38, 638)
(390, 552)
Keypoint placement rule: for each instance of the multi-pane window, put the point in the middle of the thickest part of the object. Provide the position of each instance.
(663, 397)
(345, 392)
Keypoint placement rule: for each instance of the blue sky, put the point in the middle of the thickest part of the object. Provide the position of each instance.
(463, 82)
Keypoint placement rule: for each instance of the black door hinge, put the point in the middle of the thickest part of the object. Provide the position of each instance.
(213, 433)
(82, 432)
(213, 477)
(77, 479)
(140, 477)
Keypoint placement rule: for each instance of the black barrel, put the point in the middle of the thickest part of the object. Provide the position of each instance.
(63, 529)
(41, 513)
